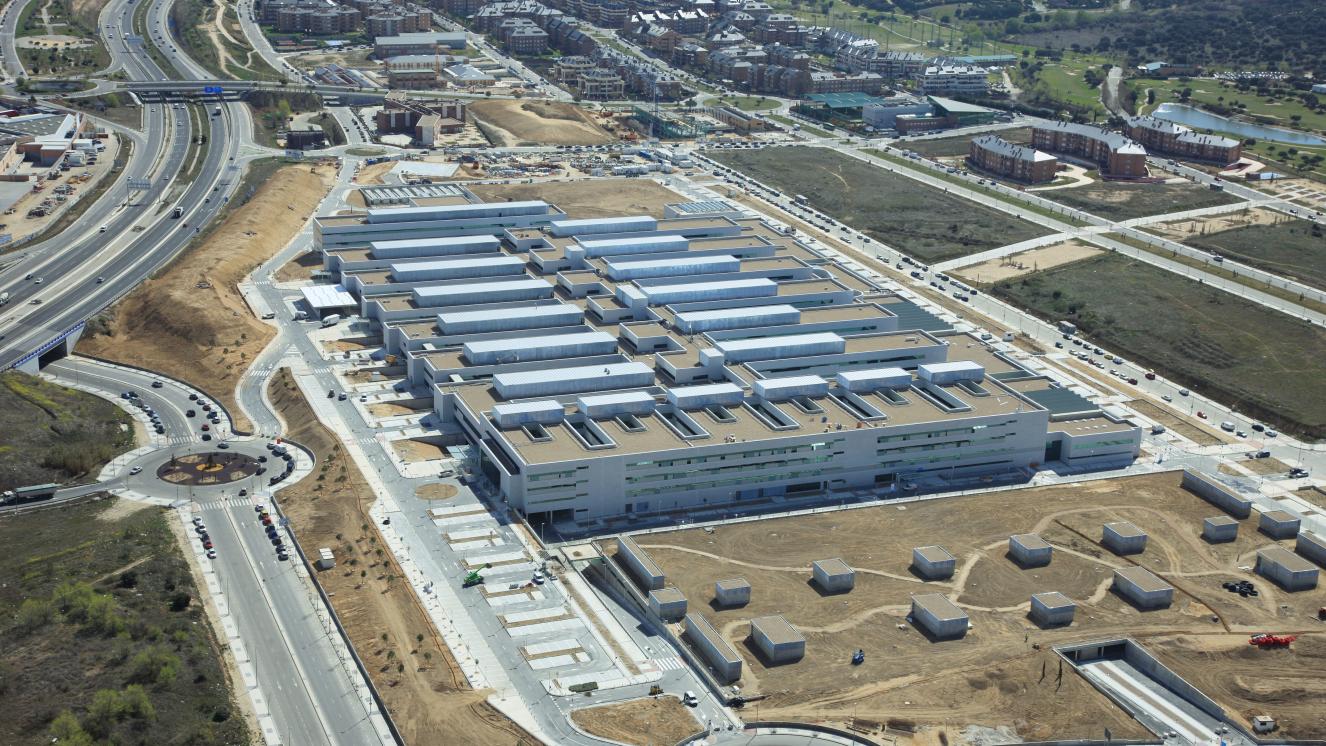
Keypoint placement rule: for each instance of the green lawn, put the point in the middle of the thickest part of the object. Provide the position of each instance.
(1117, 200)
(1293, 248)
(1262, 362)
(1068, 85)
(816, 131)
(1279, 112)
(750, 103)
(948, 147)
(922, 221)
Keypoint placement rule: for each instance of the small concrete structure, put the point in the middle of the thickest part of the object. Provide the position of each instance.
(1216, 493)
(1143, 588)
(1312, 546)
(1052, 609)
(833, 575)
(1278, 524)
(939, 616)
(1030, 550)
(933, 562)
(777, 639)
(725, 661)
(1220, 528)
(732, 592)
(1263, 723)
(1122, 537)
(1286, 569)
(668, 604)
(643, 568)
(326, 560)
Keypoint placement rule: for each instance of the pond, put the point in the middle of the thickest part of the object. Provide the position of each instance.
(1198, 119)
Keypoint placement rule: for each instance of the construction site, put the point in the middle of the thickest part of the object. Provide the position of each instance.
(942, 614)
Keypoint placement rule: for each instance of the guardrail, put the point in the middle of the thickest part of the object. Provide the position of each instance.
(47, 347)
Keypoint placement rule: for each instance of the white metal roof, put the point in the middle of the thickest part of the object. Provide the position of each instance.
(328, 296)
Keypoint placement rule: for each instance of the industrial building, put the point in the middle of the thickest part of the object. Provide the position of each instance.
(732, 592)
(939, 616)
(722, 659)
(996, 155)
(1279, 524)
(1143, 588)
(1286, 569)
(634, 365)
(667, 604)
(833, 575)
(1219, 529)
(1122, 537)
(1116, 155)
(1030, 550)
(777, 639)
(933, 562)
(1052, 609)
(641, 566)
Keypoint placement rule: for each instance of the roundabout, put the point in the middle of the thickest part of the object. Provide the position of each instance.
(208, 468)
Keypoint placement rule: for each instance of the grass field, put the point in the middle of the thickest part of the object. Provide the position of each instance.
(102, 635)
(1114, 200)
(1295, 248)
(1271, 110)
(816, 131)
(909, 216)
(949, 147)
(749, 103)
(1264, 363)
(55, 434)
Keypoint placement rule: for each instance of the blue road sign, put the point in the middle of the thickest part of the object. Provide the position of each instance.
(212, 89)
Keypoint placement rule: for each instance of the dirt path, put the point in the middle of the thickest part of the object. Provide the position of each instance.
(661, 721)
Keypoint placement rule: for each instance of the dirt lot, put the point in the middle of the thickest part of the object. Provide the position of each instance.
(1202, 436)
(914, 218)
(992, 676)
(425, 692)
(1182, 230)
(658, 721)
(300, 268)
(190, 321)
(595, 198)
(1289, 247)
(511, 123)
(412, 451)
(1114, 200)
(1016, 265)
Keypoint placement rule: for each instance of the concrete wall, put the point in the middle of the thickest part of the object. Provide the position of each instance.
(1217, 494)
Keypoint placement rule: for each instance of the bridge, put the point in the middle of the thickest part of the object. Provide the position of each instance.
(234, 90)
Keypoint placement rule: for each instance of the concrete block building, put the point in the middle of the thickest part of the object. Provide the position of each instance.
(1052, 609)
(1219, 529)
(732, 592)
(777, 639)
(1218, 494)
(641, 566)
(1030, 550)
(1143, 588)
(933, 562)
(996, 155)
(667, 604)
(1286, 569)
(714, 650)
(1312, 546)
(939, 616)
(1278, 524)
(1115, 155)
(1122, 537)
(833, 575)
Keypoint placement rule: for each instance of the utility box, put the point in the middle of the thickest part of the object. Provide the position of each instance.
(1052, 609)
(732, 592)
(1279, 524)
(833, 575)
(1122, 537)
(1286, 569)
(939, 616)
(933, 562)
(326, 560)
(1030, 550)
(1143, 588)
(777, 639)
(1219, 529)
(667, 604)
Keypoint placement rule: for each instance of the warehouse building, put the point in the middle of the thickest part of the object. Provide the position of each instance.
(1286, 569)
(777, 639)
(1219, 529)
(1122, 537)
(1030, 550)
(938, 616)
(1116, 155)
(833, 575)
(996, 155)
(1141, 587)
(722, 659)
(641, 566)
(732, 592)
(933, 562)
(1312, 546)
(1052, 609)
(1279, 524)
(667, 604)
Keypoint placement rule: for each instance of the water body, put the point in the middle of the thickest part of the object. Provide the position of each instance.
(1198, 119)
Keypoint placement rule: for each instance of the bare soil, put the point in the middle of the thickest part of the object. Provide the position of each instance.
(1202, 436)
(594, 198)
(413, 451)
(658, 721)
(1182, 230)
(512, 122)
(421, 682)
(301, 267)
(190, 322)
(992, 677)
(1026, 262)
(436, 491)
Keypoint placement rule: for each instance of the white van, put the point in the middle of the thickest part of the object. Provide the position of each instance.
(690, 700)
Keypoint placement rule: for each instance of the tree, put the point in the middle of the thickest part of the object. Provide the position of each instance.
(66, 730)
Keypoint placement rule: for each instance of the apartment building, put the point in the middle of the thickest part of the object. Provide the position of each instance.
(996, 155)
(953, 79)
(423, 119)
(1169, 138)
(313, 18)
(427, 42)
(1115, 154)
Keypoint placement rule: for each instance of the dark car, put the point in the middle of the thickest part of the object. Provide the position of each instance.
(207, 436)
(190, 413)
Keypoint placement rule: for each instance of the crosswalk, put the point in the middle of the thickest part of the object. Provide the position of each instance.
(670, 663)
(224, 503)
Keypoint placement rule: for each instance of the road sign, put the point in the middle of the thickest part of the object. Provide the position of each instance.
(212, 89)
(140, 184)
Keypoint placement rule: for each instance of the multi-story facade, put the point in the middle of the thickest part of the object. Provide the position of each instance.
(953, 79)
(996, 155)
(1174, 139)
(1116, 155)
(430, 42)
(315, 18)
(600, 84)
(402, 114)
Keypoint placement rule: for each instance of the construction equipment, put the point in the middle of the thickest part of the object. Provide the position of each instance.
(474, 578)
(1321, 613)
(1265, 641)
(858, 657)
